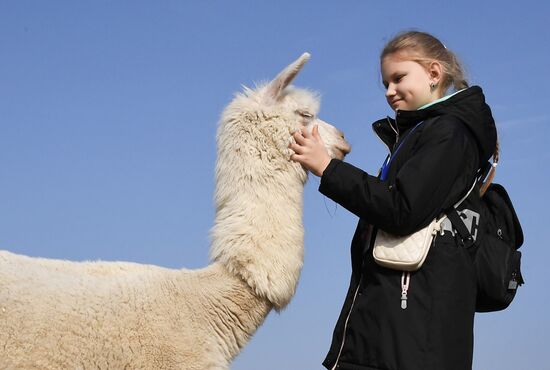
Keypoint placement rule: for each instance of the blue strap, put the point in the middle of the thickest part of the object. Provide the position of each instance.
(387, 162)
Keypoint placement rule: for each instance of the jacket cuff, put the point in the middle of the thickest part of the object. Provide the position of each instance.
(332, 164)
(331, 180)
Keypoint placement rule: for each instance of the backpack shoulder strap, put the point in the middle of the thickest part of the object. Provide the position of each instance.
(466, 237)
(452, 214)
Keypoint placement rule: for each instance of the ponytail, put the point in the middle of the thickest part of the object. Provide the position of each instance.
(492, 171)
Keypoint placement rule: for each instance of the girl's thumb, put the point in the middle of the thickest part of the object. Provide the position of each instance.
(315, 132)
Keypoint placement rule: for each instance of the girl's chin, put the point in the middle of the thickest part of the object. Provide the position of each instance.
(398, 105)
(401, 105)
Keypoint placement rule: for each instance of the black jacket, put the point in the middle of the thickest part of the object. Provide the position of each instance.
(434, 168)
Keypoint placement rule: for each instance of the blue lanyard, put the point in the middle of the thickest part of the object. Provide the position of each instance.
(387, 162)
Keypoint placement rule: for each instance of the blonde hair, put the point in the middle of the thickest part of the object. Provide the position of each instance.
(492, 171)
(423, 48)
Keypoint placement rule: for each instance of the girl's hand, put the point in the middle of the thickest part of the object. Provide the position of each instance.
(310, 150)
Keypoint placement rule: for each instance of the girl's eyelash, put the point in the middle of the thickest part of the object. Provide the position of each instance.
(396, 79)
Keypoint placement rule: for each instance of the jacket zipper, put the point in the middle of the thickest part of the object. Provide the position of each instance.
(346, 323)
(394, 130)
(361, 276)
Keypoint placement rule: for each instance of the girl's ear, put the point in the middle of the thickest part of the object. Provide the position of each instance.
(435, 71)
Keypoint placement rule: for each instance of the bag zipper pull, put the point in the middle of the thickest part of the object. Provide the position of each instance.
(404, 300)
(513, 284)
(405, 280)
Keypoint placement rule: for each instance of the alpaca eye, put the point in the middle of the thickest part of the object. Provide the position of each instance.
(304, 114)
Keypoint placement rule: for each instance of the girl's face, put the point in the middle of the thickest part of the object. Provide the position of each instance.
(407, 83)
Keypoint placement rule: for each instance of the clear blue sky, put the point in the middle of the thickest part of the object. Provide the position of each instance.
(108, 113)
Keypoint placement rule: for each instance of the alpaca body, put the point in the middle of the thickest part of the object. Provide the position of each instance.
(115, 315)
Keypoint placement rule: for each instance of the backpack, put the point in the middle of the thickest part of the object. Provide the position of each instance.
(494, 250)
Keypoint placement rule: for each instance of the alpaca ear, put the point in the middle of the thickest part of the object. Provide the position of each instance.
(283, 79)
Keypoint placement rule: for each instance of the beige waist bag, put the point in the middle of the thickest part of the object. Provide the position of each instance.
(407, 253)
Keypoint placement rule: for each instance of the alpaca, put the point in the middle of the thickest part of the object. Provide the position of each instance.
(117, 315)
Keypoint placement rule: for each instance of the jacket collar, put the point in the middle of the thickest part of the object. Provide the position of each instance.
(390, 129)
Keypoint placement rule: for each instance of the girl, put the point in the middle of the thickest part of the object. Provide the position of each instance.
(442, 142)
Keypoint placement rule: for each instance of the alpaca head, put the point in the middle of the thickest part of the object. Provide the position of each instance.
(258, 233)
(303, 106)
(263, 119)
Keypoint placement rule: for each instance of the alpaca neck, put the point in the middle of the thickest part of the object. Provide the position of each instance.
(234, 312)
(258, 233)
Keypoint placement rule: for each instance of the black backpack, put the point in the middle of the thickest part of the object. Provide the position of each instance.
(495, 249)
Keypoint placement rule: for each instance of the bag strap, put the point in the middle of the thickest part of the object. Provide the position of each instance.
(466, 238)
(446, 213)
(467, 194)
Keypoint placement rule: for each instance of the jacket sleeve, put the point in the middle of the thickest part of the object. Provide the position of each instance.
(437, 173)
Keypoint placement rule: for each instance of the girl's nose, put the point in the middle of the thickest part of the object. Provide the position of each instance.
(390, 91)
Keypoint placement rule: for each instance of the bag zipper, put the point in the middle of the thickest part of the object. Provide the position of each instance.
(405, 281)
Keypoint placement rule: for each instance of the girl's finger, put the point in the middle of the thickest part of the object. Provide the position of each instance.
(306, 133)
(317, 135)
(315, 132)
(296, 148)
(299, 137)
(296, 158)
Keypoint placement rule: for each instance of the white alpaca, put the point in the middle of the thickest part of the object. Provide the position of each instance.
(115, 315)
